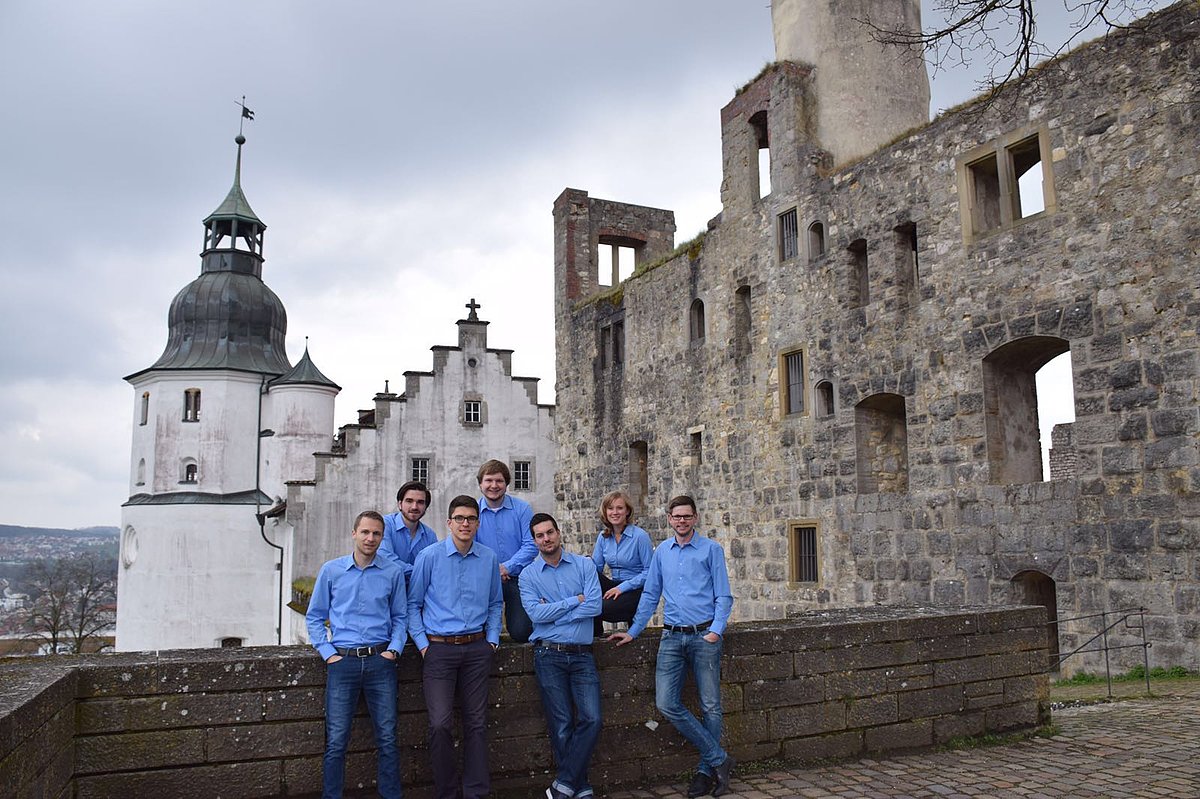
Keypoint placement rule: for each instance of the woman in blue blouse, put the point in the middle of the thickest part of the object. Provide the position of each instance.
(626, 549)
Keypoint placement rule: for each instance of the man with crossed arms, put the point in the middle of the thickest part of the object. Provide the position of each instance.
(561, 593)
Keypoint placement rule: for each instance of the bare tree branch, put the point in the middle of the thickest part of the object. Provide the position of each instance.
(72, 601)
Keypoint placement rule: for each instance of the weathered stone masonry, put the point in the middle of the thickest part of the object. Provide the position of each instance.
(920, 300)
(249, 722)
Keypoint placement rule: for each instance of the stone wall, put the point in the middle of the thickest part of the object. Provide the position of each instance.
(925, 293)
(248, 722)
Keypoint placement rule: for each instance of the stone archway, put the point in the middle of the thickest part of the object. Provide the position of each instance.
(1032, 587)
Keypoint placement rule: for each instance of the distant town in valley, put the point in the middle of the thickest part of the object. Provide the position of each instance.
(26, 582)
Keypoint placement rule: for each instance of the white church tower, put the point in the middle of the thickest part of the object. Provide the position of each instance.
(221, 420)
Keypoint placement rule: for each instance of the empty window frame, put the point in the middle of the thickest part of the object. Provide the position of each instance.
(1006, 181)
(231, 642)
(141, 472)
(803, 563)
(860, 278)
(522, 473)
(618, 343)
(791, 382)
(789, 235)
(907, 266)
(419, 470)
(190, 473)
(144, 414)
(825, 398)
(472, 412)
(762, 145)
(696, 321)
(191, 405)
(816, 240)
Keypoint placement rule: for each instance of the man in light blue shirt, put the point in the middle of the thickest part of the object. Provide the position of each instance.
(504, 527)
(688, 572)
(404, 534)
(561, 593)
(363, 598)
(454, 605)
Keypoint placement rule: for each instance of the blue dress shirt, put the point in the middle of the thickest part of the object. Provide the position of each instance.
(363, 606)
(506, 531)
(627, 560)
(400, 545)
(550, 595)
(692, 581)
(453, 594)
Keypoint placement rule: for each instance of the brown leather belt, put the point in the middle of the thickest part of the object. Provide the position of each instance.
(465, 638)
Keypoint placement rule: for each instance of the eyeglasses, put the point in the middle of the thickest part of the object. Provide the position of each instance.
(675, 517)
(460, 520)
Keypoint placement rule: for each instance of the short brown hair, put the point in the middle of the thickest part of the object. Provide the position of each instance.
(462, 501)
(680, 501)
(414, 485)
(606, 503)
(494, 467)
(374, 515)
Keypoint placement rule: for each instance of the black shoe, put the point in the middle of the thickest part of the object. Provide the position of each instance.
(700, 785)
(724, 771)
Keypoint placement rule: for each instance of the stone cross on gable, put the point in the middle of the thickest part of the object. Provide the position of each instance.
(473, 306)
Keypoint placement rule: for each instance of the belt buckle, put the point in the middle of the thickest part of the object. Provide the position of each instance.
(362, 651)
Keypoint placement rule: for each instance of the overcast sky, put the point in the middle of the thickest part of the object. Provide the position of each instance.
(404, 156)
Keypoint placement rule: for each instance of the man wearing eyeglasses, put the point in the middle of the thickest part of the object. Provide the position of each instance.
(454, 606)
(688, 573)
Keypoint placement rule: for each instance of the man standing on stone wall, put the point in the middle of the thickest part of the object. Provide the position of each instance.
(504, 528)
(363, 599)
(454, 604)
(404, 534)
(561, 593)
(688, 572)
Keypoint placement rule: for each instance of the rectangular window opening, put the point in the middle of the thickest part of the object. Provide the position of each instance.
(472, 412)
(789, 235)
(522, 473)
(802, 554)
(1026, 158)
(696, 445)
(604, 270)
(792, 382)
(420, 470)
(860, 279)
(191, 405)
(618, 343)
(984, 186)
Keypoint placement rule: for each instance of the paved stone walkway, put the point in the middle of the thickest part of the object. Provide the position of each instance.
(1132, 748)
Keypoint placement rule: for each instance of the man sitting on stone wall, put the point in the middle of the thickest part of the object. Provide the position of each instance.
(504, 528)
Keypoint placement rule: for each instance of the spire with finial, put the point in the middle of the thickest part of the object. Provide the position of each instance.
(233, 234)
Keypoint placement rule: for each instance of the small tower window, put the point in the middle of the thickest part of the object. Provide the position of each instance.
(231, 643)
(816, 241)
(789, 235)
(141, 472)
(420, 470)
(191, 471)
(191, 405)
(824, 398)
(791, 382)
(860, 280)
(144, 415)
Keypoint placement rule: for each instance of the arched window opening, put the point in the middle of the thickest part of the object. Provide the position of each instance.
(144, 414)
(881, 444)
(1012, 409)
(696, 321)
(1032, 587)
(231, 642)
(824, 398)
(191, 472)
(141, 472)
(816, 241)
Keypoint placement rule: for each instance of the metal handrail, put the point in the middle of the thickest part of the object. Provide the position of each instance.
(1121, 616)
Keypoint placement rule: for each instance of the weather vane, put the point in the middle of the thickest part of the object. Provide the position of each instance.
(246, 114)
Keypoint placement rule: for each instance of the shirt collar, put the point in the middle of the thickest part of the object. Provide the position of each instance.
(506, 504)
(448, 543)
(691, 541)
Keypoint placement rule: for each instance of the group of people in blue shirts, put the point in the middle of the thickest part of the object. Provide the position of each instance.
(501, 558)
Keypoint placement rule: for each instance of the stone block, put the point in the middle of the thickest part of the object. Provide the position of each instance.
(930, 702)
(872, 710)
(1012, 717)
(781, 693)
(905, 735)
(170, 711)
(97, 754)
(261, 778)
(1173, 422)
(962, 725)
(822, 747)
(758, 667)
(263, 741)
(804, 720)
(854, 684)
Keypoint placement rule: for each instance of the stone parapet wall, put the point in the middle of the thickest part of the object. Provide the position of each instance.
(249, 722)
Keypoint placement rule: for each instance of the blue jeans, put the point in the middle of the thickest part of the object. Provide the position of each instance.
(375, 678)
(569, 680)
(677, 654)
(516, 620)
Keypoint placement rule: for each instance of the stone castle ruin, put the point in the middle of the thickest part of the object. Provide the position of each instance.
(841, 367)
